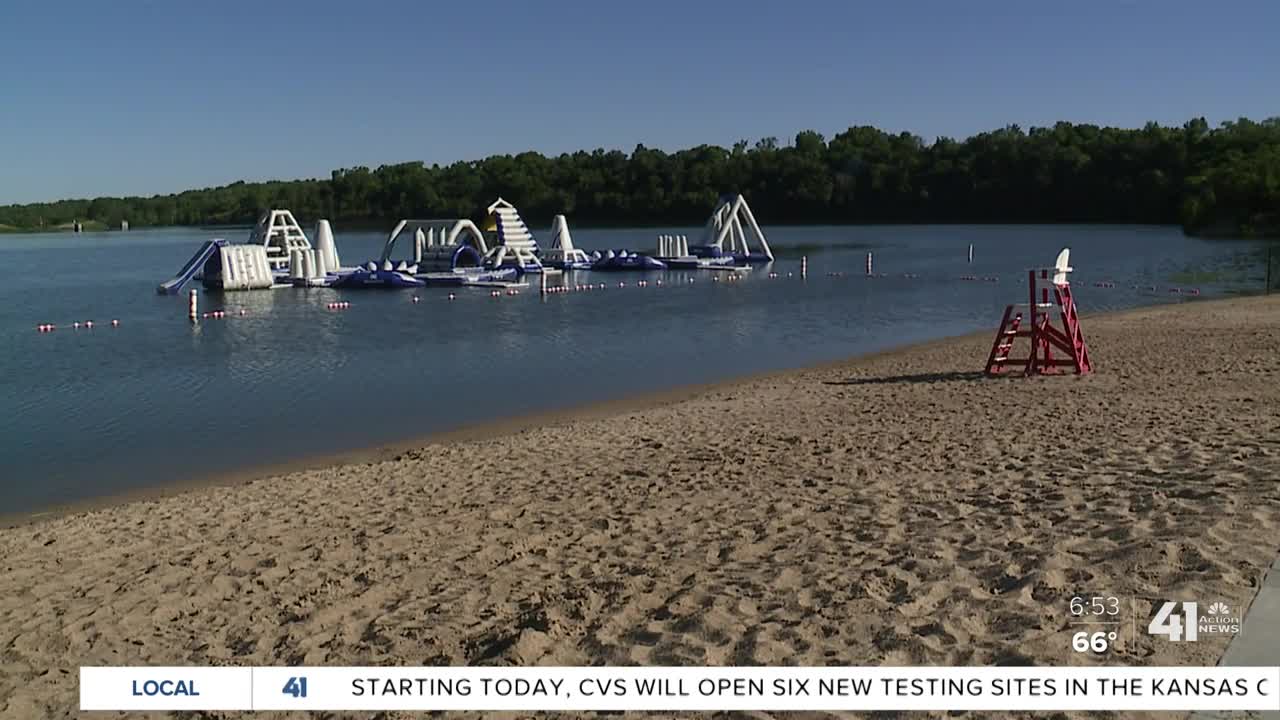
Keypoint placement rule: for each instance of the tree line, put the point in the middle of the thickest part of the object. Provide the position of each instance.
(1223, 180)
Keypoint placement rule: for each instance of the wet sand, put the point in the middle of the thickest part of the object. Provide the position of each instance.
(895, 509)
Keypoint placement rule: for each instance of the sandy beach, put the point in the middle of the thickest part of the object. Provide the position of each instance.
(896, 509)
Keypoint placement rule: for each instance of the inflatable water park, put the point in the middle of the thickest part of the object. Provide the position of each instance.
(456, 252)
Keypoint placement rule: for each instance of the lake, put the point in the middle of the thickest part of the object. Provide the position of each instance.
(98, 412)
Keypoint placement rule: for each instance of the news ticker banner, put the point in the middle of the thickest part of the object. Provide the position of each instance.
(680, 688)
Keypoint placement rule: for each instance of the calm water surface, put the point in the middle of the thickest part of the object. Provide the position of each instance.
(96, 412)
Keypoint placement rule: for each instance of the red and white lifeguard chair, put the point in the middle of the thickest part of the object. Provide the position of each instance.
(1046, 339)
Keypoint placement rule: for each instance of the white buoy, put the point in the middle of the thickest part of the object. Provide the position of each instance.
(971, 252)
(326, 245)
(543, 284)
(804, 265)
(868, 263)
(192, 305)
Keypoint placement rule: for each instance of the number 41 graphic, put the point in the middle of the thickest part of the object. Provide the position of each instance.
(296, 686)
(1175, 626)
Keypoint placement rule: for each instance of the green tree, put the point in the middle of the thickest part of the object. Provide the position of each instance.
(1212, 180)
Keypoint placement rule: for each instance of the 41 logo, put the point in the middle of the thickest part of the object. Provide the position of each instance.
(1177, 626)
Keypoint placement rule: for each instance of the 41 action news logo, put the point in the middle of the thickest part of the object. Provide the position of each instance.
(1182, 621)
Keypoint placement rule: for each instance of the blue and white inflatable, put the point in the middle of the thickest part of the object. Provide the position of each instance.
(623, 260)
(372, 276)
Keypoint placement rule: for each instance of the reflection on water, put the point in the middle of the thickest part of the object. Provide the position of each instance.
(93, 412)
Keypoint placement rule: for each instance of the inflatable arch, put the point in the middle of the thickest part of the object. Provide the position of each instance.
(439, 245)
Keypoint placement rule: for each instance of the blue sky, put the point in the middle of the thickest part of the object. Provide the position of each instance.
(131, 97)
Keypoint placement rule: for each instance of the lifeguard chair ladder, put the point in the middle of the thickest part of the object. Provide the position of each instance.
(1039, 328)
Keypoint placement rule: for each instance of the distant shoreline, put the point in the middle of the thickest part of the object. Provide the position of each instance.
(1200, 177)
(87, 226)
(1216, 233)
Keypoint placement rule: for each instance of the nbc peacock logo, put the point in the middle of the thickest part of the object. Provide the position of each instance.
(1219, 620)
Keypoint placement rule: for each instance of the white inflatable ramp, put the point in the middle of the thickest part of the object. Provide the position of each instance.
(174, 285)
(242, 267)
